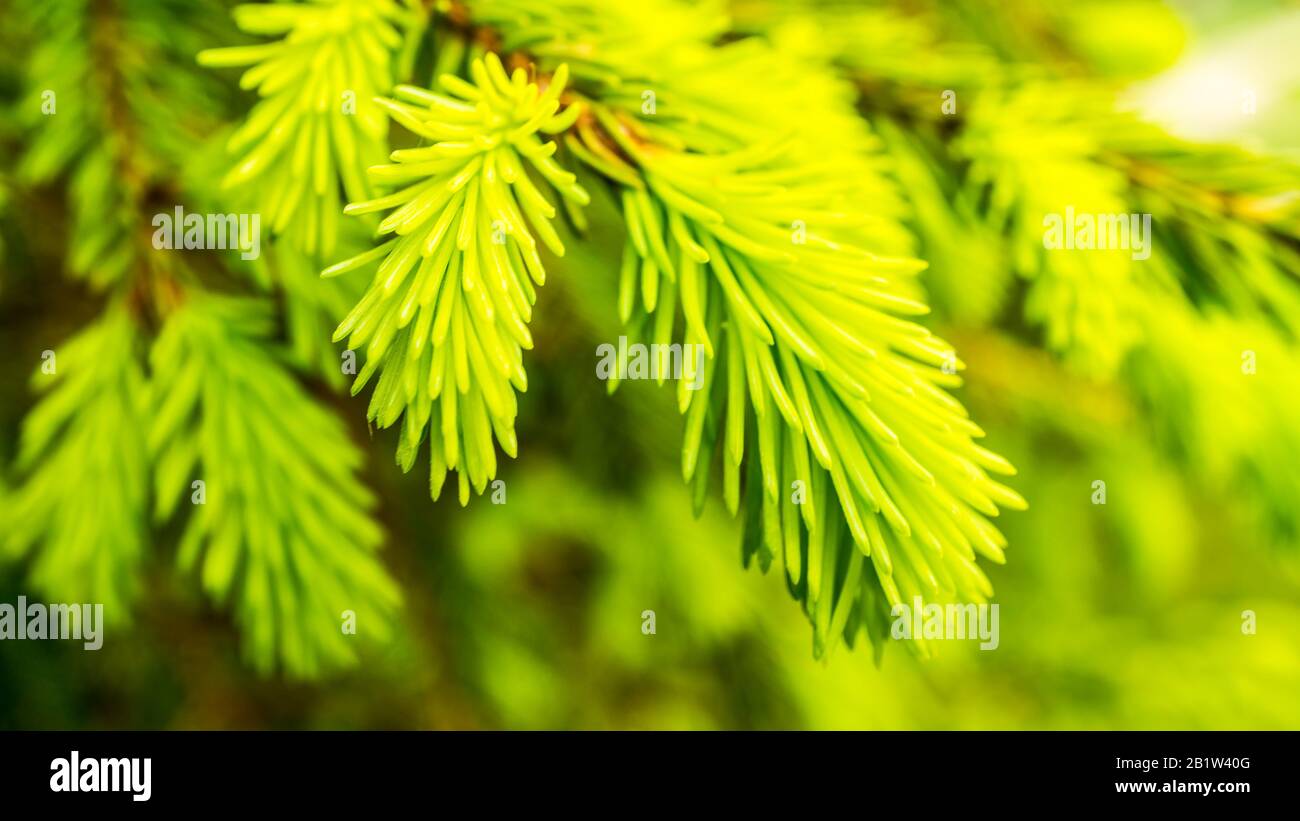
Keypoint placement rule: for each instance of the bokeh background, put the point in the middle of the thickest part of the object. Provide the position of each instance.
(528, 615)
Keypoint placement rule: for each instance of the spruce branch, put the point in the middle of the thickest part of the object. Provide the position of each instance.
(303, 147)
(80, 509)
(282, 529)
(1221, 283)
(811, 357)
(1027, 159)
(445, 320)
(315, 124)
(224, 409)
(84, 496)
(860, 453)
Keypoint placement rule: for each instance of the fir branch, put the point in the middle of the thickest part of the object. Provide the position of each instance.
(316, 125)
(87, 471)
(274, 553)
(809, 356)
(1221, 281)
(86, 98)
(1028, 160)
(283, 528)
(445, 318)
(303, 147)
